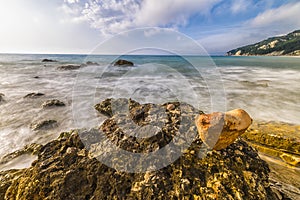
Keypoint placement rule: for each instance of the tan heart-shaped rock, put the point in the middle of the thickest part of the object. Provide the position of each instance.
(218, 130)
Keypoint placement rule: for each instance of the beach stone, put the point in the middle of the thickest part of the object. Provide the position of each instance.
(48, 60)
(219, 130)
(34, 95)
(44, 125)
(69, 67)
(53, 103)
(122, 62)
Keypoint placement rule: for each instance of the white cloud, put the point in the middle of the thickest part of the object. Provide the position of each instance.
(272, 22)
(113, 16)
(284, 17)
(239, 6)
(71, 1)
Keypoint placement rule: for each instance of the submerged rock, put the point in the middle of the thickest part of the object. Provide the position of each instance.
(32, 149)
(69, 67)
(53, 103)
(122, 62)
(44, 125)
(34, 95)
(91, 63)
(1, 97)
(48, 60)
(218, 130)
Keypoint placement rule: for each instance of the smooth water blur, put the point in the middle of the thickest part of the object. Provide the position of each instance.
(266, 87)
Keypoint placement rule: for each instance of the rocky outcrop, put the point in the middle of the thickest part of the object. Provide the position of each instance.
(67, 168)
(122, 62)
(34, 95)
(53, 103)
(218, 130)
(65, 171)
(48, 60)
(44, 125)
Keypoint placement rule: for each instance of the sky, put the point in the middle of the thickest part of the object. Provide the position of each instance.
(78, 26)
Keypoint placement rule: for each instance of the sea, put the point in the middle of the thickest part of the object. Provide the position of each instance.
(268, 88)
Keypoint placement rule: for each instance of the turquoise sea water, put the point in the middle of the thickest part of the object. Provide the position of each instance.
(268, 88)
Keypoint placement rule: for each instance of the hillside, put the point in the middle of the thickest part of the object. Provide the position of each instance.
(275, 46)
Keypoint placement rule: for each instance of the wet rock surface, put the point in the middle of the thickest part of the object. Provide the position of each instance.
(48, 60)
(53, 103)
(122, 62)
(69, 67)
(44, 125)
(67, 167)
(2, 97)
(34, 95)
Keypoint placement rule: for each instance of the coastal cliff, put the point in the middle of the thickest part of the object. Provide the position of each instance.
(275, 46)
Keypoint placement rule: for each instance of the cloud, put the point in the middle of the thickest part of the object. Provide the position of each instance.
(271, 22)
(239, 6)
(285, 16)
(113, 16)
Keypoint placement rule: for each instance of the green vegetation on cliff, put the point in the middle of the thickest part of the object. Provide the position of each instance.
(282, 45)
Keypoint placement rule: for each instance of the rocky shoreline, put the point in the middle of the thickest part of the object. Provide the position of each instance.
(67, 168)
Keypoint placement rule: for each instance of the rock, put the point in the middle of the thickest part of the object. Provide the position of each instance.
(36, 77)
(123, 63)
(218, 130)
(276, 139)
(170, 106)
(63, 171)
(53, 103)
(48, 60)
(44, 125)
(34, 95)
(32, 149)
(1, 97)
(69, 67)
(91, 63)
(66, 168)
(104, 107)
(6, 179)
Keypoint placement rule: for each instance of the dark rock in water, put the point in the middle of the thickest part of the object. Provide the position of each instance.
(36, 77)
(67, 169)
(91, 63)
(1, 97)
(48, 60)
(69, 67)
(34, 95)
(44, 125)
(32, 149)
(123, 63)
(53, 103)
